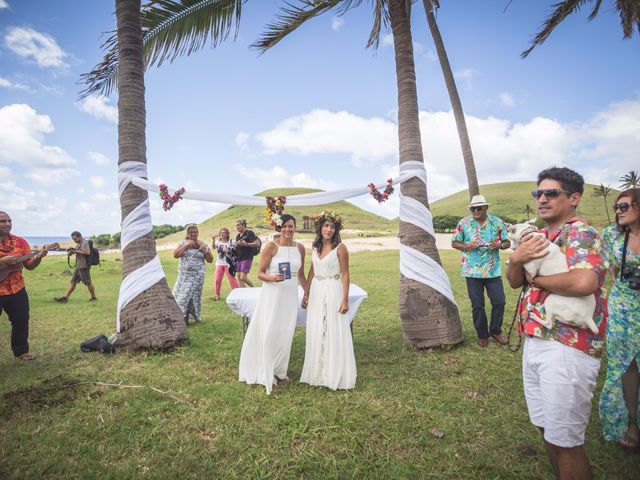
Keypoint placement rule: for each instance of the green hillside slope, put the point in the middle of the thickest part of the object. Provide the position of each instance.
(358, 222)
(510, 200)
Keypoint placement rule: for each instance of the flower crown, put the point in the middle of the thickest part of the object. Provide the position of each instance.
(326, 216)
(273, 210)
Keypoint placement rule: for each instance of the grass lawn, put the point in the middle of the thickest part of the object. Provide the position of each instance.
(456, 414)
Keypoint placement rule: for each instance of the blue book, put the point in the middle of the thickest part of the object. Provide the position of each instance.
(284, 269)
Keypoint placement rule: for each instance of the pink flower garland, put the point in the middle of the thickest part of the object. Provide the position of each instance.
(169, 200)
(381, 196)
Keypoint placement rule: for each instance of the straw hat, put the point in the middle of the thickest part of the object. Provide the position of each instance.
(478, 201)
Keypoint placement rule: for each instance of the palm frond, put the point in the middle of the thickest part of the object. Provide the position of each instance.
(562, 11)
(380, 18)
(293, 16)
(171, 28)
(629, 11)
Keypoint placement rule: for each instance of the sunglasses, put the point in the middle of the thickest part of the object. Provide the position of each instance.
(623, 207)
(475, 209)
(548, 192)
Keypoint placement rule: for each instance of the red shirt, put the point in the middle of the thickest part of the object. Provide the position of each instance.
(17, 246)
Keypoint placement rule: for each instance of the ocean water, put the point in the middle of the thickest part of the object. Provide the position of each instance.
(40, 241)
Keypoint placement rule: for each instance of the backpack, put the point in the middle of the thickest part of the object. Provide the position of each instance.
(94, 254)
(99, 343)
(256, 250)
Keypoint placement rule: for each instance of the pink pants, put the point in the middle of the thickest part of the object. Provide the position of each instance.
(220, 271)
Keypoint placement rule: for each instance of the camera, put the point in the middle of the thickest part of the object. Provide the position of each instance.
(632, 274)
(70, 251)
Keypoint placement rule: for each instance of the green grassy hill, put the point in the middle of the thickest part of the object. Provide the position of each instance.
(358, 222)
(510, 200)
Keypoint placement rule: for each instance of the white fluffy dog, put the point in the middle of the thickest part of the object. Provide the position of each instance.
(577, 311)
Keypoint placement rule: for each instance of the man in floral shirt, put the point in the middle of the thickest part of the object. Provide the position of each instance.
(560, 365)
(480, 236)
(13, 295)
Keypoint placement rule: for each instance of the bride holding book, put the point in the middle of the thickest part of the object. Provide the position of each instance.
(264, 358)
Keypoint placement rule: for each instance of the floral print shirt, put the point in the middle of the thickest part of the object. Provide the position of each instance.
(581, 245)
(483, 262)
(14, 282)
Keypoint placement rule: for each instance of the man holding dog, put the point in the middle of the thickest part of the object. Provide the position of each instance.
(480, 236)
(560, 364)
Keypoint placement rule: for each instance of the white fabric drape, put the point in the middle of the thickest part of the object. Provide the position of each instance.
(413, 264)
(135, 225)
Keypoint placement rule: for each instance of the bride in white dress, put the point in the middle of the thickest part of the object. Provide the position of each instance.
(329, 360)
(267, 345)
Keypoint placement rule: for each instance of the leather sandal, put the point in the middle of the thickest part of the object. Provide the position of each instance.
(26, 357)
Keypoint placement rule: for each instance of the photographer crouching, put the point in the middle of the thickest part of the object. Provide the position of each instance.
(82, 269)
(619, 398)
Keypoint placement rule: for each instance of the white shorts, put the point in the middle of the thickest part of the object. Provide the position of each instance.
(558, 385)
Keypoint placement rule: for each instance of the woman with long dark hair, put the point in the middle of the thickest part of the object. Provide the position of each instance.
(266, 348)
(619, 400)
(329, 359)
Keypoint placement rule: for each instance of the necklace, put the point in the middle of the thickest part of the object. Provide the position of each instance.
(12, 242)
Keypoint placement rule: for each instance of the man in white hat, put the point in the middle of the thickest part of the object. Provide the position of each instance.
(480, 236)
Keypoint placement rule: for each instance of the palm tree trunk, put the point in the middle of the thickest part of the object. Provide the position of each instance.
(152, 320)
(428, 318)
(456, 104)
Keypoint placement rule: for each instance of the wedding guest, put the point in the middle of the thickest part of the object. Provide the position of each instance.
(480, 237)
(619, 397)
(223, 244)
(329, 360)
(560, 364)
(193, 253)
(246, 243)
(13, 294)
(264, 358)
(81, 270)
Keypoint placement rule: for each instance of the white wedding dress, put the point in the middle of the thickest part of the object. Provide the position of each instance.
(267, 344)
(329, 360)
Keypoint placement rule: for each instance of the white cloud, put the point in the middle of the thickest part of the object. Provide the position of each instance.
(4, 83)
(602, 148)
(98, 107)
(387, 40)
(96, 182)
(22, 132)
(36, 46)
(30, 208)
(418, 48)
(5, 173)
(322, 131)
(51, 176)
(507, 100)
(466, 75)
(98, 158)
(3, 4)
(336, 23)
(279, 177)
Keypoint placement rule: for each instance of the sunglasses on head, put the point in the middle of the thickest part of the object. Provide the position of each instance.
(475, 209)
(548, 192)
(623, 207)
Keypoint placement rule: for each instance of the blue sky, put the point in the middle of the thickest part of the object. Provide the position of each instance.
(318, 110)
